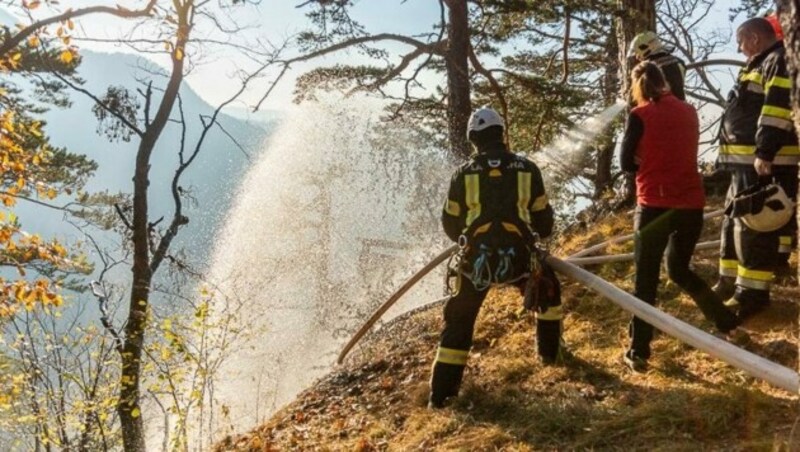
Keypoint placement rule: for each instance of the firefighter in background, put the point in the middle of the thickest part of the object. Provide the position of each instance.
(495, 207)
(787, 236)
(758, 145)
(647, 47)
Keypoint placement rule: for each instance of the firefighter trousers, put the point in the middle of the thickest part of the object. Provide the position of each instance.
(460, 313)
(787, 235)
(751, 256)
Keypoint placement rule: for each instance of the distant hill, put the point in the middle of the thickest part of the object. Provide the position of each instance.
(211, 179)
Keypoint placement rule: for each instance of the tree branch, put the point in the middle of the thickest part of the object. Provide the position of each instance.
(437, 47)
(119, 11)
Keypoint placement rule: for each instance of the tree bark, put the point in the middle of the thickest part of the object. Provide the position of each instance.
(635, 16)
(605, 148)
(128, 407)
(459, 106)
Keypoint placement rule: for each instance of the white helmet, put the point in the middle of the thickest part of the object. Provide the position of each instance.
(483, 118)
(769, 219)
(644, 45)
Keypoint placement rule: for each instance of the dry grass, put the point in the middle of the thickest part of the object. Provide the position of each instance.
(510, 401)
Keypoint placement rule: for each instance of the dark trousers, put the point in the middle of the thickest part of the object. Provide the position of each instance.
(460, 313)
(787, 235)
(753, 254)
(677, 232)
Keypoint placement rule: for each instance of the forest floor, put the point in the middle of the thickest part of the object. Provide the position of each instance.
(509, 400)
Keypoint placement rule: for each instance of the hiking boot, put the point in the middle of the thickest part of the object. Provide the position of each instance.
(731, 303)
(635, 363)
(750, 309)
(437, 403)
(736, 336)
(724, 288)
(561, 357)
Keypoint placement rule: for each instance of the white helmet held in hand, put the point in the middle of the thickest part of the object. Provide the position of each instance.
(484, 118)
(769, 218)
(645, 44)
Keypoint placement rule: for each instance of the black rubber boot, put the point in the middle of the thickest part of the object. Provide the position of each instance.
(548, 340)
(445, 381)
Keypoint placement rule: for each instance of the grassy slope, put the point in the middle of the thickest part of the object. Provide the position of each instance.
(510, 401)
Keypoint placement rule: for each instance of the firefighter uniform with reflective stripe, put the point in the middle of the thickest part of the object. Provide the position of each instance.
(674, 71)
(495, 199)
(757, 122)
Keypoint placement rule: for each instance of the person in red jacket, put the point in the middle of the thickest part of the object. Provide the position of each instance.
(660, 146)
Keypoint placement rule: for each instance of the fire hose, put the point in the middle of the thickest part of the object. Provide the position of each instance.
(755, 365)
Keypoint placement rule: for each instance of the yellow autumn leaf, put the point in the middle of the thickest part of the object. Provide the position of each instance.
(66, 57)
(136, 412)
(70, 24)
(34, 4)
(178, 54)
(33, 41)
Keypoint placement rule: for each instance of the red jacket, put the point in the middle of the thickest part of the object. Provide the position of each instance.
(665, 148)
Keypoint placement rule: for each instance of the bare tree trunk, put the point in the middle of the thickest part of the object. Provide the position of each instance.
(605, 149)
(128, 407)
(457, 64)
(636, 16)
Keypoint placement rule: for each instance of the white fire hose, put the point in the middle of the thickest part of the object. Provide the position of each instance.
(773, 373)
(759, 367)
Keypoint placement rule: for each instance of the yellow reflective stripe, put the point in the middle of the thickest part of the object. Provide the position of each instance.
(552, 313)
(473, 195)
(452, 208)
(758, 275)
(738, 159)
(524, 195)
(540, 203)
(737, 149)
(727, 267)
(452, 356)
(482, 229)
(752, 283)
(779, 123)
(785, 244)
(751, 77)
(510, 227)
(789, 150)
(778, 112)
(780, 82)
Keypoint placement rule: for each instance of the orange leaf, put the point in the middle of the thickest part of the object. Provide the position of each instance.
(66, 57)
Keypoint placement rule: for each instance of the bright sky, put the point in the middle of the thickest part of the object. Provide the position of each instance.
(272, 20)
(276, 21)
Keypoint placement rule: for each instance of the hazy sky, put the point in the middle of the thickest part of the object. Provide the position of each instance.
(278, 20)
(273, 20)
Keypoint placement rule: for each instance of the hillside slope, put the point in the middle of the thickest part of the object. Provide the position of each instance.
(510, 401)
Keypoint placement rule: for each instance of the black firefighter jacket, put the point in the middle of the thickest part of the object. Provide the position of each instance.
(497, 186)
(757, 121)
